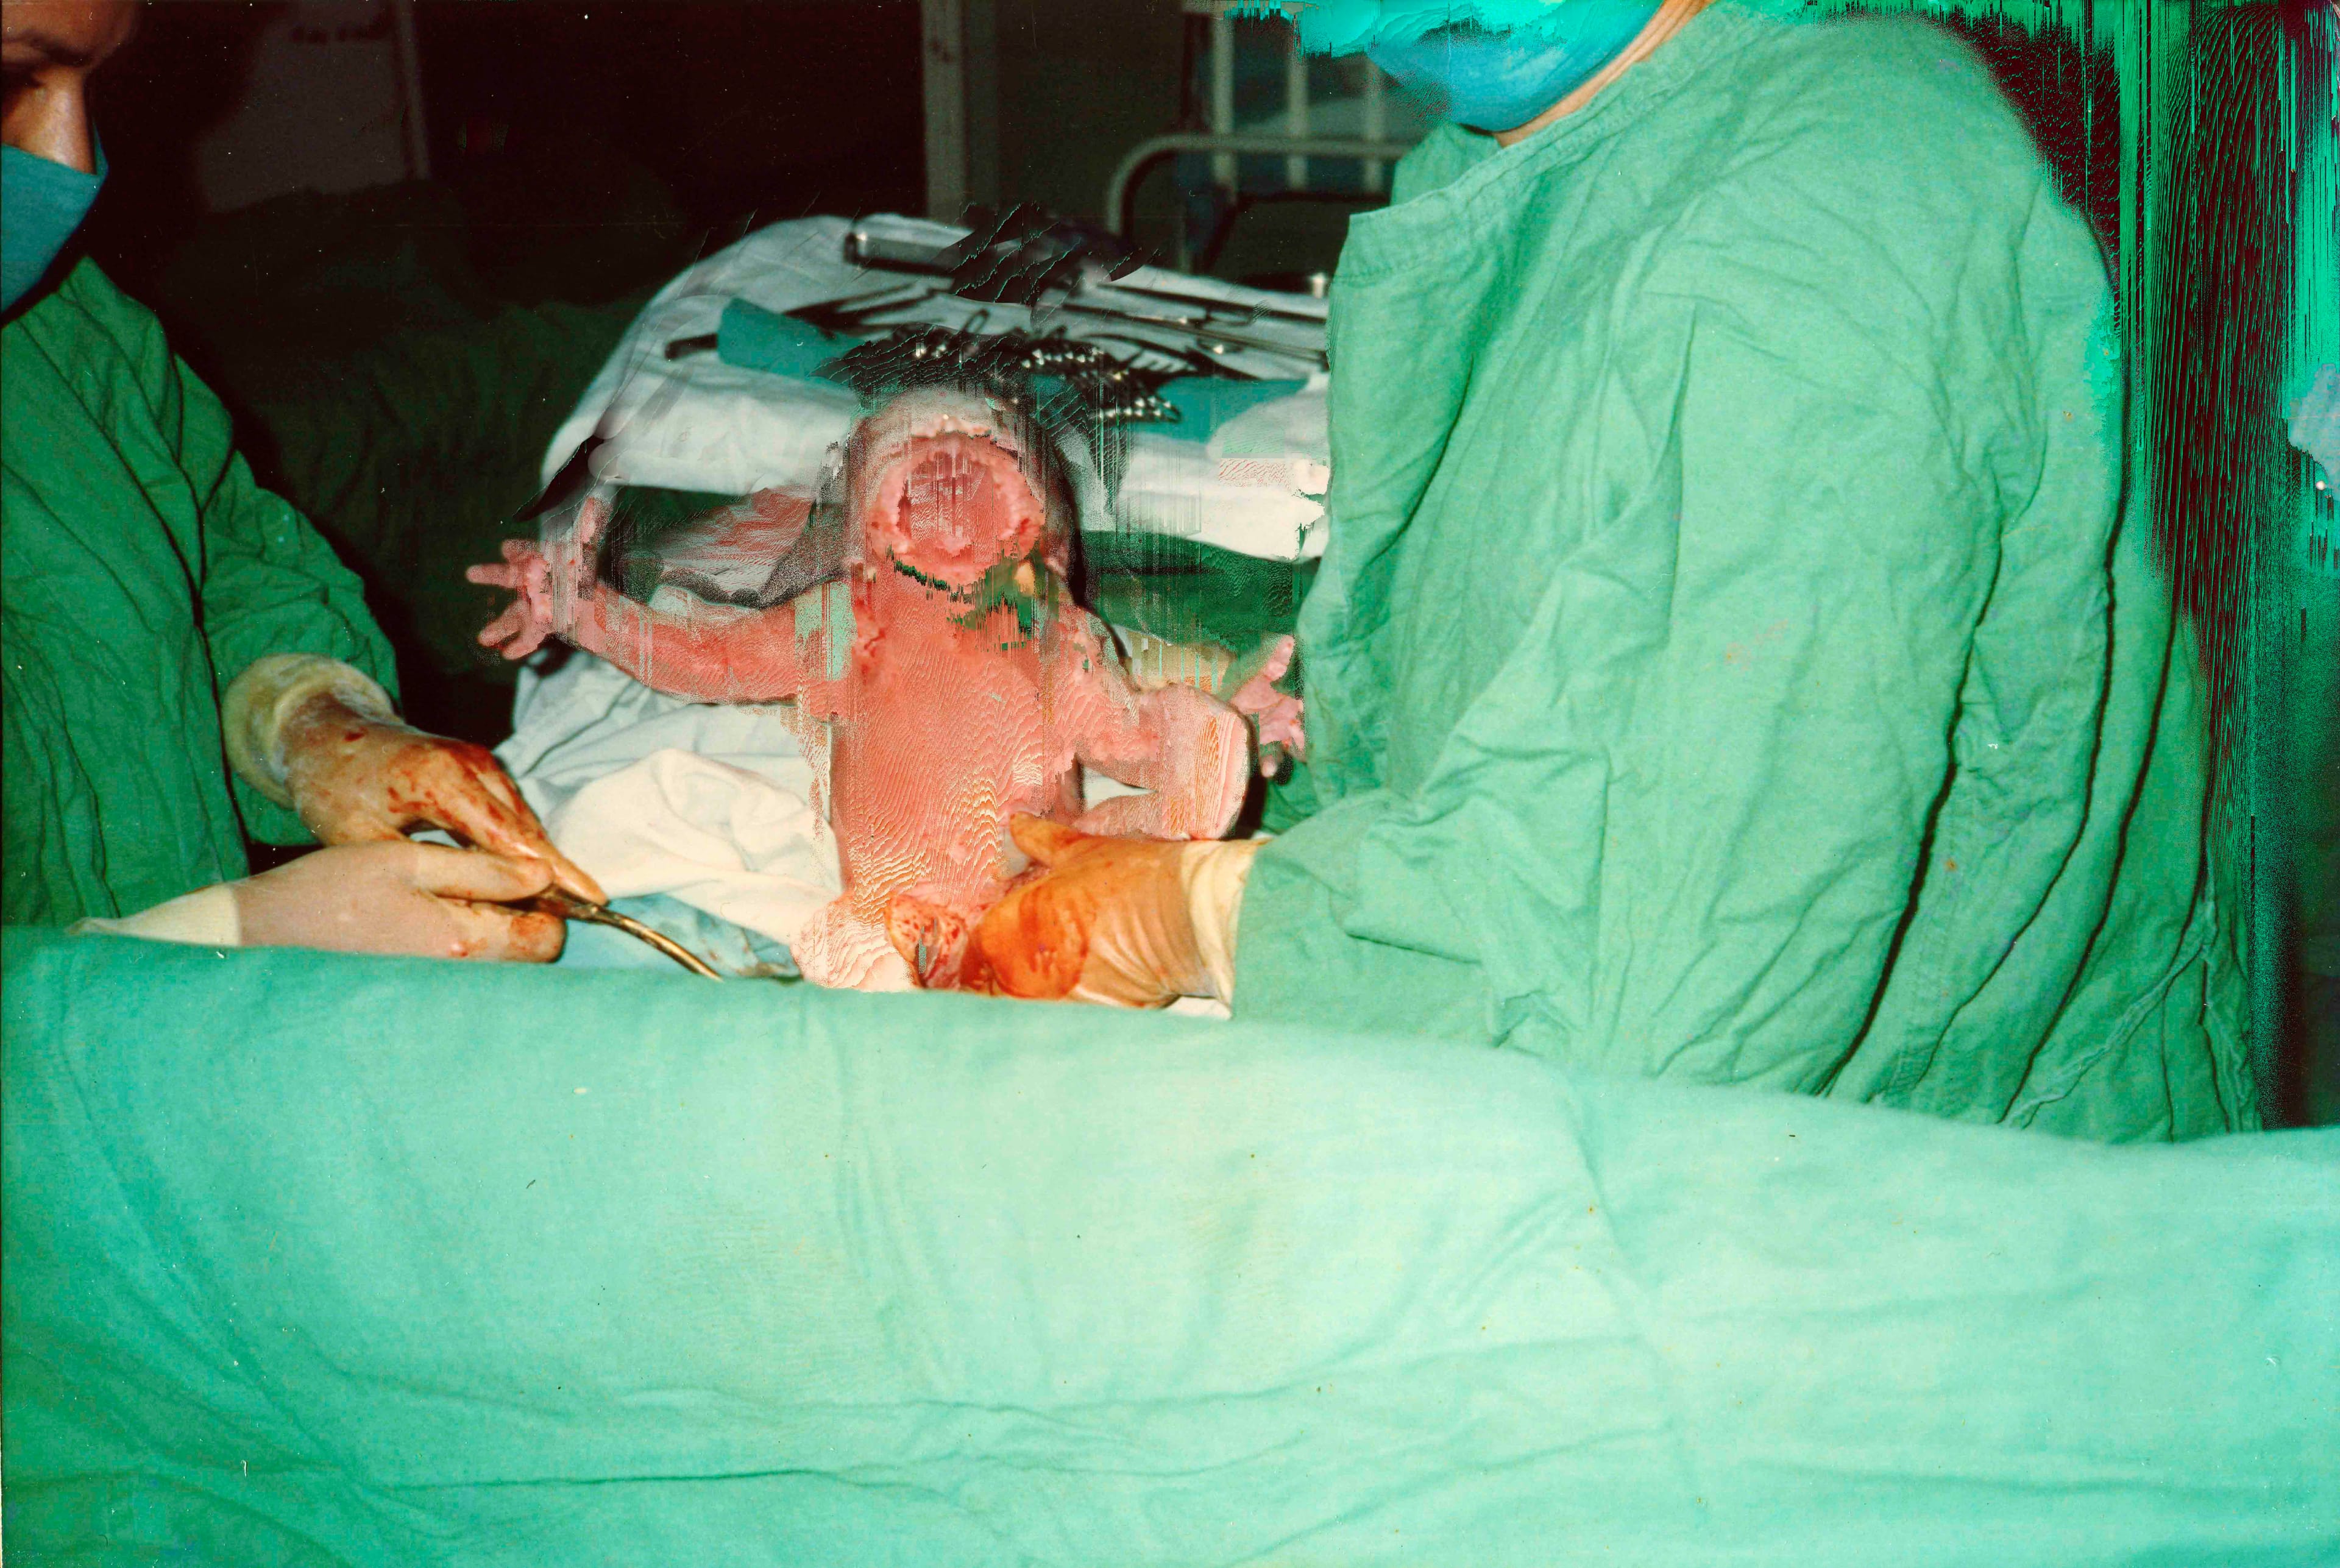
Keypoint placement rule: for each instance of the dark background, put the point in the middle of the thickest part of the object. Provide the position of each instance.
(398, 357)
(582, 151)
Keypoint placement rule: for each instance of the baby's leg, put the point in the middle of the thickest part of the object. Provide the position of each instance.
(1190, 750)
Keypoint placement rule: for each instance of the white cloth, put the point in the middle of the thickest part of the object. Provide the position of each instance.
(697, 423)
(2316, 423)
(1178, 489)
(710, 804)
(1297, 429)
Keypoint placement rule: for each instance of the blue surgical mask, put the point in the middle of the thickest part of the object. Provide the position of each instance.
(1500, 81)
(42, 203)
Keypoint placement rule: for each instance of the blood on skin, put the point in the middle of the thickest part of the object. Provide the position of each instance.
(419, 787)
(1029, 953)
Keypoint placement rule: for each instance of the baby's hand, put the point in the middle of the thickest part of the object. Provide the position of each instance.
(526, 621)
(548, 582)
(1276, 715)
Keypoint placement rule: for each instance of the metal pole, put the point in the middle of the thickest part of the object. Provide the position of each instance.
(979, 87)
(1223, 94)
(1153, 149)
(943, 66)
(1296, 107)
(409, 86)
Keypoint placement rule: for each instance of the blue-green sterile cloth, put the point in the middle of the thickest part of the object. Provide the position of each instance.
(756, 338)
(1206, 402)
(328, 1260)
(1735, 655)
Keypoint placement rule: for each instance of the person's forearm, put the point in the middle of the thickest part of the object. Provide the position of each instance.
(263, 700)
(253, 714)
(207, 917)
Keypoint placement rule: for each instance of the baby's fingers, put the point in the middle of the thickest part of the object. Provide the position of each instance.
(1278, 661)
(514, 632)
(1282, 724)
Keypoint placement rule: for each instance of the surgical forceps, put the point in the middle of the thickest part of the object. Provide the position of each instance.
(569, 907)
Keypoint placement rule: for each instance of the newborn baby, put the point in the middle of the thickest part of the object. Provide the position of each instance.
(959, 680)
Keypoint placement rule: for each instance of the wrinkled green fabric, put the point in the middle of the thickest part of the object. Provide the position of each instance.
(1725, 663)
(752, 1274)
(143, 570)
(399, 399)
(1187, 592)
(413, 454)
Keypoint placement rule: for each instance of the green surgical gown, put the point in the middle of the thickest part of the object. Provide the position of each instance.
(144, 570)
(1737, 656)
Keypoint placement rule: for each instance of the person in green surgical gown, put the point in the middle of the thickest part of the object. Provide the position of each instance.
(186, 662)
(1738, 655)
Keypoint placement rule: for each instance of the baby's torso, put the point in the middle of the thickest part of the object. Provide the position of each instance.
(948, 730)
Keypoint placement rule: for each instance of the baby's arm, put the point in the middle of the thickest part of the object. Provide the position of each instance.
(712, 653)
(1192, 752)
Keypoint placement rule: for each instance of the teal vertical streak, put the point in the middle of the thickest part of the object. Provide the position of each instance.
(2303, 618)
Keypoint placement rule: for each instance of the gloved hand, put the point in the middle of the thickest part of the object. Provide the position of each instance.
(358, 779)
(425, 901)
(1110, 921)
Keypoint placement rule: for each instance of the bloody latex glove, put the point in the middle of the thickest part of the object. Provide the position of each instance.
(425, 901)
(1275, 715)
(357, 778)
(1109, 920)
(1105, 921)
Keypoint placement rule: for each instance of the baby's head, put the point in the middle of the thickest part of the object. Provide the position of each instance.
(952, 483)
